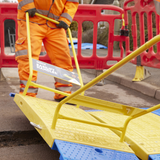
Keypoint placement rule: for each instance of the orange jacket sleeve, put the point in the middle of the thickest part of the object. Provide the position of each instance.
(70, 9)
(25, 5)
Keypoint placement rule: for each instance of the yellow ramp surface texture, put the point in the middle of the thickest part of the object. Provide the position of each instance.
(143, 133)
(41, 112)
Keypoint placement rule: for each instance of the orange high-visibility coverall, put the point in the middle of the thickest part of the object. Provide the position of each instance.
(53, 38)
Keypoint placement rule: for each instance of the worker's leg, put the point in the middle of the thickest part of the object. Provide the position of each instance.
(57, 48)
(21, 47)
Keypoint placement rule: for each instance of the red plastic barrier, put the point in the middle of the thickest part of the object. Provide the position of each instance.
(84, 13)
(140, 7)
(7, 11)
(93, 13)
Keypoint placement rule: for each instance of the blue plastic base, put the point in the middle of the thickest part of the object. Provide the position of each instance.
(92, 110)
(74, 151)
(157, 112)
(154, 157)
(89, 46)
(12, 94)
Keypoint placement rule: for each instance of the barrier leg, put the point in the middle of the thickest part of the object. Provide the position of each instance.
(2, 78)
(141, 73)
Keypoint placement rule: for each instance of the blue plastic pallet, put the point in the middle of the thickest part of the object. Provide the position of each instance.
(75, 41)
(74, 151)
(89, 46)
(154, 157)
(157, 112)
(94, 110)
(12, 94)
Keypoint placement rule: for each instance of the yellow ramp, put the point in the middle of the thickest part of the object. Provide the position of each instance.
(143, 133)
(40, 112)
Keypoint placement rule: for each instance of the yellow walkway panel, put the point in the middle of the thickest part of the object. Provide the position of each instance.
(40, 112)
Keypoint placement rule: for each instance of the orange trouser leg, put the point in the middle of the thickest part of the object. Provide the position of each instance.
(57, 48)
(64, 87)
(21, 47)
(23, 68)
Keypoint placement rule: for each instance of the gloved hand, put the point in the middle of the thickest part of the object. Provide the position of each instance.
(62, 24)
(31, 12)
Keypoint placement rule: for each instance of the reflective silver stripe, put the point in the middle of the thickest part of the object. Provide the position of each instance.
(30, 90)
(19, 7)
(63, 89)
(24, 82)
(51, 15)
(40, 11)
(157, 6)
(67, 16)
(73, 1)
(21, 53)
(61, 81)
(23, 3)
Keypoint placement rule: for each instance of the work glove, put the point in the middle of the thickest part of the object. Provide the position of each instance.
(62, 24)
(31, 12)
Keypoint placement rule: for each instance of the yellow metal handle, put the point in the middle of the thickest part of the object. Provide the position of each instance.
(71, 41)
(47, 18)
(29, 54)
(29, 82)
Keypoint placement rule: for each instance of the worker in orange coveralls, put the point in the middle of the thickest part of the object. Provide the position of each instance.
(52, 35)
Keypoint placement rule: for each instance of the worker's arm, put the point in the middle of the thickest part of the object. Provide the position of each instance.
(70, 9)
(27, 6)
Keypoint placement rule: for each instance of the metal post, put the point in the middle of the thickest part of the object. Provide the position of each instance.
(116, 2)
(92, 1)
(100, 83)
(116, 24)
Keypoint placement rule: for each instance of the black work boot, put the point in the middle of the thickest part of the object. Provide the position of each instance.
(59, 100)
